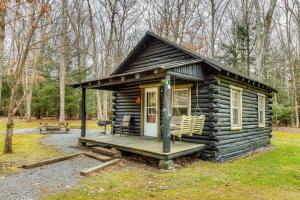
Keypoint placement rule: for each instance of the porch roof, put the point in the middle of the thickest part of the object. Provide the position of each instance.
(150, 73)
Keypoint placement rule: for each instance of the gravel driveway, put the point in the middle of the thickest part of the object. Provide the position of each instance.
(35, 183)
(23, 131)
(68, 142)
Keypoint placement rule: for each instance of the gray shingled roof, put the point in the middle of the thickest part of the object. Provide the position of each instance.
(205, 59)
(198, 58)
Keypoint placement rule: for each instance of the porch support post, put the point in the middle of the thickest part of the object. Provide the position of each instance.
(83, 112)
(166, 116)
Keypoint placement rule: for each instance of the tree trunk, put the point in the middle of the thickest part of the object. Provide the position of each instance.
(28, 104)
(99, 109)
(2, 37)
(14, 103)
(295, 99)
(263, 34)
(10, 121)
(95, 60)
(213, 34)
(292, 66)
(105, 104)
(63, 61)
(297, 16)
(79, 40)
(108, 51)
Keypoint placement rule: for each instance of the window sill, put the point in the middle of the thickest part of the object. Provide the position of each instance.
(261, 126)
(236, 128)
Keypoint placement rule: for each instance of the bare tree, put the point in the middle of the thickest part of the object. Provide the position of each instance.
(263, 35)
(117, 20)
(95, 60)
(182, 21)
(28, 87)
(289, 13)
(63, 59)
(77, 19)
(217, 11)
(3, 7)
(38, 10)
(296, 15)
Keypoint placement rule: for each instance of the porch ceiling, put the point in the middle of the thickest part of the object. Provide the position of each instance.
(159, 71)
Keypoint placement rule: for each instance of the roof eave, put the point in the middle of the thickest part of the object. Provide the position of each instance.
(247, 79)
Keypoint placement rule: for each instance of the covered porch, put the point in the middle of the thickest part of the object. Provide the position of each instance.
(159, 147)
(145, 146)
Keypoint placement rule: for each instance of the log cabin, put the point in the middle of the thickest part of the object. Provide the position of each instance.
(160, 79)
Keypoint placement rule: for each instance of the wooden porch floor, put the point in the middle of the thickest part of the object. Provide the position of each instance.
(150, 147)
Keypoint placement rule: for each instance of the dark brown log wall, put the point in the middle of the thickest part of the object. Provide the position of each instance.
(123, 103)
(227, 143)
(214, 101)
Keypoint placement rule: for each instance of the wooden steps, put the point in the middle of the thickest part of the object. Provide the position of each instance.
(107, 151)
(108, 156)
(98, 156)
(91, 170)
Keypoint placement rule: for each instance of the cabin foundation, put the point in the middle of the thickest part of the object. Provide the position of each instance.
(166, 164)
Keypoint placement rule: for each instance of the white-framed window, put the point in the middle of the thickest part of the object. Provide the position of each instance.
(261, 101)
(235, 107)
(181, 101)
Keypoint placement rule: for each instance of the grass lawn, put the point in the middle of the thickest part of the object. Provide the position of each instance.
(21, 123)
(27, 148)
(268, 175)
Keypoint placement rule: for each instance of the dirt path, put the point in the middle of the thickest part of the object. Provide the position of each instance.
(35, 183)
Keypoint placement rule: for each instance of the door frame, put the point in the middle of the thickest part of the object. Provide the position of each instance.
(143, 87)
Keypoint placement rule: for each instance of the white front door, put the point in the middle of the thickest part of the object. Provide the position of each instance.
(151, 112)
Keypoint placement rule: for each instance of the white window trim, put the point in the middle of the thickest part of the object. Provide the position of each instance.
(261, 125)
(240, 90)
(183, 87)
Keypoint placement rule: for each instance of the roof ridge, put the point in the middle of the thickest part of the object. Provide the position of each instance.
(208, 60)
(211, 62)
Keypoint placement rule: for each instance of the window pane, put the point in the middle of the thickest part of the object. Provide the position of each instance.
(260, 103)
(180, 102)
(151, 106)
(261, 119)
(235, 117)
(236, 111)
(151, 99)
(261, 110)
(180, 98)
(180, 111)
(235, 99)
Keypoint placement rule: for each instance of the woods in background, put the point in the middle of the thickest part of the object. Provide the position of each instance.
(46, 45)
